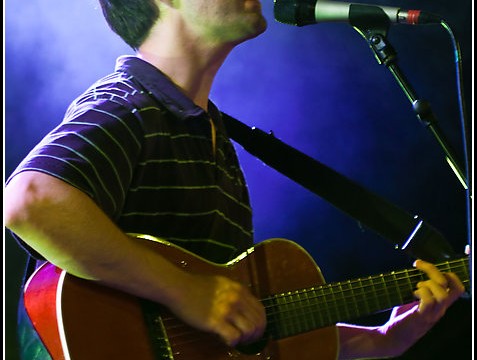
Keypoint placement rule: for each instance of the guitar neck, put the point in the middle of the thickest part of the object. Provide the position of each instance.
(304, 310)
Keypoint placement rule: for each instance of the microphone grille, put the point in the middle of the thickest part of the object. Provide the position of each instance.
(285, 11)
(295, 12)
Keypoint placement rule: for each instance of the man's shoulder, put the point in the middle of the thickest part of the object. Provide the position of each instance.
(116, 99)
(118, 87)
(116, 92)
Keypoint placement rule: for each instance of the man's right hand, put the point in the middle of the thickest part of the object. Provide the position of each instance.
(222, 306)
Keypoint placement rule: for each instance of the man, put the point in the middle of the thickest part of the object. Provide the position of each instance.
(144, 151)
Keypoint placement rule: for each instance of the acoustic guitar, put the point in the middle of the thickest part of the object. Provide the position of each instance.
(80, 320)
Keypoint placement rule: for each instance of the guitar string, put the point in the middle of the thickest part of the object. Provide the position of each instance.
(340, 284)
(368, 282)
(286, 327)
(364, 284)
(321, 291)
(410, 274)
(283, 312)
(334, 302)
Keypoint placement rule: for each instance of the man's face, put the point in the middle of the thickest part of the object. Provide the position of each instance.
(231, 21)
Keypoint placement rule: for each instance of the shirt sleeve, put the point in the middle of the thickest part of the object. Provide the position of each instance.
(95, 149)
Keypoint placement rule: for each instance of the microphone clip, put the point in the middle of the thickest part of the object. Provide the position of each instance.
(373, 24)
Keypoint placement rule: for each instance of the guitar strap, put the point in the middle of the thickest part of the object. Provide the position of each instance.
(407, 232)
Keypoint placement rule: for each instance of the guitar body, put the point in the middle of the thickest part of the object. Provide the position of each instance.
(81, 320)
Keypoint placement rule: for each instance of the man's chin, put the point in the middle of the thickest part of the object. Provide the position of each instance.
(259, 28)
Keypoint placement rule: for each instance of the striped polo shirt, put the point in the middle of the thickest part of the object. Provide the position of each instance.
(143, 151)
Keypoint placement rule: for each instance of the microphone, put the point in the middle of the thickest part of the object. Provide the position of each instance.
(308, 12)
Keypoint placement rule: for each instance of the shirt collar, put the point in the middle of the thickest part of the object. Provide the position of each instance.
(161, 87)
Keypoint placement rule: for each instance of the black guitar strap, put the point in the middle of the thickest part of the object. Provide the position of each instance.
(407, 232)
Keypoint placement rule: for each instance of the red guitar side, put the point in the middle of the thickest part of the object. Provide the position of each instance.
(81, 320)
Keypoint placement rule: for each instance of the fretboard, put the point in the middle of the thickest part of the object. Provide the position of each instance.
(313, 308)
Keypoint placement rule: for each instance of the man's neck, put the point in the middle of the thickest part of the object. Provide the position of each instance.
(190, 65)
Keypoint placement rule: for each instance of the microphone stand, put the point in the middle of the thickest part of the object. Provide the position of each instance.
(374, 28)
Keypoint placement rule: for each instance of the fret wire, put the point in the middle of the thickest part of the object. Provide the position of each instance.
(410, 284)
(375, 298)
(333, 301)
(295, 321)
(396, 285)
(360, 298)
(284, 328)
(340, 284)
(364, 296)
(284, 306)
(308, 320)
(383, 287)
(324, 296)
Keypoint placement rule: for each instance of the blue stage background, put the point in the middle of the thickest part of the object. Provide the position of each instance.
(320, 90)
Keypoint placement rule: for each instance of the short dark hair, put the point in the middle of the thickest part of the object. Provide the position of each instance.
(130, 19)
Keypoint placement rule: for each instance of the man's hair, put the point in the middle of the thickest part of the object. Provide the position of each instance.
(130, 19)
